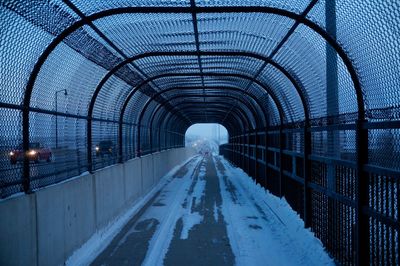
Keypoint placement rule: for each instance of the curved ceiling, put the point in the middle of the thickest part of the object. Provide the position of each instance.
(113, 57)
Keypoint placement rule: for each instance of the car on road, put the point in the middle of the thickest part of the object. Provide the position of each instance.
(105, 147)
(35, 153)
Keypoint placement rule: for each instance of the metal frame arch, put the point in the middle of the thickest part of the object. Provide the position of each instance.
(137, 88)
(259, 83)
(255, 99)
(247, 104)
(238, 114)
(194, 9)
(227, 88)
(215, 109)
(256, 121)
(156, 110)
(220, 9)
(270, 61)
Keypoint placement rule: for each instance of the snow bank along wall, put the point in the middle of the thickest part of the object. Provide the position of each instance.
(44, 228)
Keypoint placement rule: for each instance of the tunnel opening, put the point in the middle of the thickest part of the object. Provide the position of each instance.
(206, 138)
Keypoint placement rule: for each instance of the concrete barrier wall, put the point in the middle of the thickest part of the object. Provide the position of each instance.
(133, 184)
(65, 219)
(18, 231)
(147, 173)
(44, 228)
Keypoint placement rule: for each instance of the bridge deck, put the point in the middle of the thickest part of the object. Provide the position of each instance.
(209, 213)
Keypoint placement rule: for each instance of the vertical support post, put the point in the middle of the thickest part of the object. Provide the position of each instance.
(242, 142)
(138, 140)
(159, 139)
(266, 172)
(166, 135)
(306, 174)
(332, 110)
(281, 146)
(248, 154)
(232, 141)
(120, 141)
(256, 156)
(151, 139)
(89, 144)
(26, 181)
(237, 150)
(362, 195)
(56, 119)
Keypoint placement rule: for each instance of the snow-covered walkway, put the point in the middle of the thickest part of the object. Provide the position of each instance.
(211, 213)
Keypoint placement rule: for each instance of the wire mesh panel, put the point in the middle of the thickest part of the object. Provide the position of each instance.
(10, 149)
(128, 141)
(57, 148)
(105, 144)
(384, 214)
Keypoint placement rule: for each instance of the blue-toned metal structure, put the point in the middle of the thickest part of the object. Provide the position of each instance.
(307, 89)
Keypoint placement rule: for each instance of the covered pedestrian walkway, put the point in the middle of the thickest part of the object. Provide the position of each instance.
(307, 89)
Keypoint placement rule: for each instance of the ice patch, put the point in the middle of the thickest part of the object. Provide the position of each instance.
(216, 212)
(189, 220)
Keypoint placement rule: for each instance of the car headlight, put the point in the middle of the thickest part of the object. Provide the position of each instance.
(97, 148)
(12, 153)
(32, 152)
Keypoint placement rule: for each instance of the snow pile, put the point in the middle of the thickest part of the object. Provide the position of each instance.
(262, 228)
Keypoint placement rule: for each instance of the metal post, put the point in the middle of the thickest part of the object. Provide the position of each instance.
(89, 144)
(306, 174)
(56, 99)
(243, 161)
(138, 144)
(332, 110)
(234, 141)
(151, 139)
(362, 196)
(120, 141)
(248, 154)
(266, 172)
(159, 139)
(281, 144)
(166, 135)
(56, 121)
(256, 156)
(26, 181)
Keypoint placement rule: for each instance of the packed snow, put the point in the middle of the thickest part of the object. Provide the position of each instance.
(262, 229)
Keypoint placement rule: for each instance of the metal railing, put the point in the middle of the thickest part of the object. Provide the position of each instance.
(329, 194)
